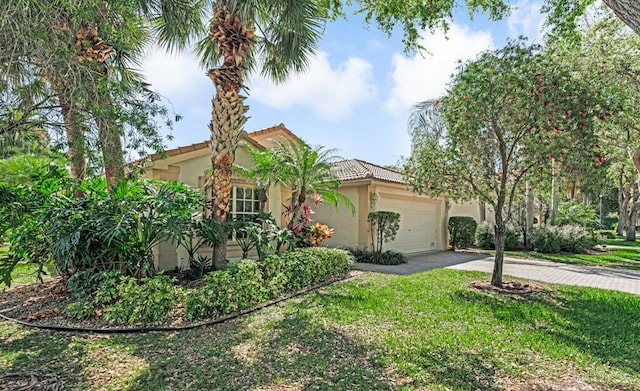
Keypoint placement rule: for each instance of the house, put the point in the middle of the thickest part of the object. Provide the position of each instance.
(373, 188)
(423, 219)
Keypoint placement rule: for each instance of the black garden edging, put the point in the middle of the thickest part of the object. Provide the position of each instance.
(143, 329)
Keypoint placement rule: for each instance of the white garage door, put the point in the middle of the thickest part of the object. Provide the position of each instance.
(418, 224)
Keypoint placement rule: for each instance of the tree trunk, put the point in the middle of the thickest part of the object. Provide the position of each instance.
(528, 213)
(228, 119)
(631, 222)
(112, 151)
(234, 40)
(554, 193)
(75, 142)
(500, 230)
(628, 11)
(624, 192)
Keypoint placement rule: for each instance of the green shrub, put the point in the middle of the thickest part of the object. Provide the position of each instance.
(462, 230)
(568, 238)
(274, 275)
(546, 240)
(576, 239)
(127, 300)
(485, 236)
(511, 238)
(246, 283)
(385, 258)
(576, 213)
(385, 225)
(606, 234)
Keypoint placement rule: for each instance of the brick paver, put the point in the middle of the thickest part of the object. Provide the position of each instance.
(560, 273)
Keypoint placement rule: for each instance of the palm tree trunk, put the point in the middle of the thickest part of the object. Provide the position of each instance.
(112, 151)
(226, 126)
(234, 40)
(75, 142)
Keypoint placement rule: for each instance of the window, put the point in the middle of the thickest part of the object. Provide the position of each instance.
(245, 203)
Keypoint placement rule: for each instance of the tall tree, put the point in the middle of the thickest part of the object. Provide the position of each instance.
(276, 37)
(79, 52)
(507, 113)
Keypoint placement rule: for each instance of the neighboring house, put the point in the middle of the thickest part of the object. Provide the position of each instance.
(423, 219)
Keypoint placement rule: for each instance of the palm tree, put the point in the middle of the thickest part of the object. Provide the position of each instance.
(277, 37)
(87, 49)
(306, 170)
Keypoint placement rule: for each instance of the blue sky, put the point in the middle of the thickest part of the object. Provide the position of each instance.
(356, 96)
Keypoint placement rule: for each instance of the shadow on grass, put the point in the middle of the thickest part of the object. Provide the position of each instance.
(289, 350)
(603, 324)
(39, 353)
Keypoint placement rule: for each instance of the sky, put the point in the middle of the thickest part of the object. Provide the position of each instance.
(358, 92)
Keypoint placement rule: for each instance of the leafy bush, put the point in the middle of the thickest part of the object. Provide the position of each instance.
(462, 230)
(511, 238)
(248, 282)
(314, 235)
(383, 258)
(606, 234)
(569, 238)
(385, 224)
(125, 300)
(577, 239)
(546, 240)
(576, 213)
(485, 236)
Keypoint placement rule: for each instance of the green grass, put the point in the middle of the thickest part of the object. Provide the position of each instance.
(376, 332)
(620, 242)
(25, 273)
(621, 258)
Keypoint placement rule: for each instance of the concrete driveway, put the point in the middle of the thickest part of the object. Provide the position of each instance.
(559, 273)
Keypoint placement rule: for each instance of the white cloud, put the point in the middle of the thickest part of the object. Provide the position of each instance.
(332, 93)
(526, 19)
(175, 76)
(426, 77)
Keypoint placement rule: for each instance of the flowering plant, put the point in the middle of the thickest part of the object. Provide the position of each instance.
(314, 235)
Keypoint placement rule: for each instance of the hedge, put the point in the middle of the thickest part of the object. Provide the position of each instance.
(379, 258)
(248, 282)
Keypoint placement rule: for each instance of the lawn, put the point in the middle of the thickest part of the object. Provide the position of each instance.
(25, 273)
(620, 242)
(375, 332)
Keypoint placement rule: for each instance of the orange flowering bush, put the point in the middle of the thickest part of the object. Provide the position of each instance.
(314, 235)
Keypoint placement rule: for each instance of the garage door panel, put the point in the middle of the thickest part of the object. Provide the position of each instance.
(418, 224)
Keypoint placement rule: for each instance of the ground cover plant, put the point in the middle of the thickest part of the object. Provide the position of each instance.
(376, 332)
(113, 299)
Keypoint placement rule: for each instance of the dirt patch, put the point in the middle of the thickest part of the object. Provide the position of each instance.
(510, 287)
(30, 382)
(566, 382)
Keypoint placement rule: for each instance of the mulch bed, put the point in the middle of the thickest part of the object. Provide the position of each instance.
(42, 304)
(30, 382)
(513, 288)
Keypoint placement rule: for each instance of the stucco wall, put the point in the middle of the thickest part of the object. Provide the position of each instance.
(344, 223)
(472, 209)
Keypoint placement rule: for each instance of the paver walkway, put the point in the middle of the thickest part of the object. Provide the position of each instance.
(553, 272)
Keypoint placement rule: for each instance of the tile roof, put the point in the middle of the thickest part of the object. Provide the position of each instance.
(272, 129)
(353, 169)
